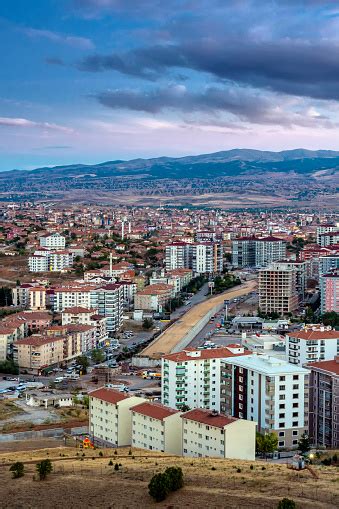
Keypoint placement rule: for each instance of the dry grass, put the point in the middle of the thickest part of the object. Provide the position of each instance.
(8, 409)
(81, 481)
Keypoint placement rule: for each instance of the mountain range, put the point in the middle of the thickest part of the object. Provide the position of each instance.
(232, 178)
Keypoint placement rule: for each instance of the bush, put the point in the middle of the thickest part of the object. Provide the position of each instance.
(116, 466)
(213, 468)
(176, 478)
(101, 453)
(110, 463)
(286, 503)
(335, 458)
(130, 452)
(238, 470)
(44, 468)
(251, 467)
(18, 470)
(263, 468)
(159, 487)
(115, 452)
(327, 462)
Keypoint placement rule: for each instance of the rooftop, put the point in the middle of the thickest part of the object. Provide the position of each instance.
(267, 365)
(190, 354)
(315, 334)
(328, 366)
(155, 410)
(209, 417)
(107, 394)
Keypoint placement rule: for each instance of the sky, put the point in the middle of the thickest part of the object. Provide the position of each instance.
(96, 80)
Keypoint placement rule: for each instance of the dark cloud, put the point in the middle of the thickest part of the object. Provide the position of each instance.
(241, 103)
(293, 67)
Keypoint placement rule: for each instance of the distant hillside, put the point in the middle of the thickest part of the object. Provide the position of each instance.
(311, 173)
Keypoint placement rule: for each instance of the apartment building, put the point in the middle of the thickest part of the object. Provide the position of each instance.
(8, 334)
(330, 238)
(153, 297)
(176, 255)
(278, 289)
(177, 278)
(50, 261)
(110, 421)
(329, 292)
(257, 252)
(192, 377)
(157, 428)
(269, 391)
(52, 241)
(37, 298)
(83, 316)
(324, 403)
(328, 263)
(202, 257)
(38, 263)
(207, 433)
(323, 229)
(311, 345)
(108, 300)
(268, 250)
(73, 295)
(38, 352)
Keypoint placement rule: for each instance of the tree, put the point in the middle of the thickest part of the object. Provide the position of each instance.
(184, 408)
(44, 468)
(84, 363)
(176, 478)
(286, 503)
(97, 356)
(159, 487)
(147, 323)
(304, 443)
(266, 443)
(18, 470)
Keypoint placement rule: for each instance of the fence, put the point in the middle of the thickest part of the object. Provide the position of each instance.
(45, 433)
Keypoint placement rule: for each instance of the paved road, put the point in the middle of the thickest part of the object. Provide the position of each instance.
(174, 334)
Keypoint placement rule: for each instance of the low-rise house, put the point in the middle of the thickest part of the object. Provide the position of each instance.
(207, 433)
(156, 427)
(49, 398)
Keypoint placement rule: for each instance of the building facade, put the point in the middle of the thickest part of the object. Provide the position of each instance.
(312, 345)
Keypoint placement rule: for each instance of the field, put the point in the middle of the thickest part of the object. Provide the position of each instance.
(88, 481)
(8, 409)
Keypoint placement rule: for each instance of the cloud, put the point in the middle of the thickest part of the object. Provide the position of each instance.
(54, 61)
(241, 103)
(71, 40)
(25, 123)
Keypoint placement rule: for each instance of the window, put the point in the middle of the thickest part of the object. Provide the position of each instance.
(295, 432)
(295, 423)
(295, 387)
(282, 396)
(295, 377)
(295, 414)
(295, 405)
(282, 416)
(281, 444)
(282, 387)
(282, 379)
(281, 424)
(281, 433)
(295, 396)
(282, 406)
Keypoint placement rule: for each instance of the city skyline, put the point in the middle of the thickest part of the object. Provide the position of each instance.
(93, 80)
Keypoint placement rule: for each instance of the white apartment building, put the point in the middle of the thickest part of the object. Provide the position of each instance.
(312, 345)
(110, 416)
(76, 295)
(37, 298)
(208, 433)
(192, 377)
(53, 241)
(83, 316)
(176, 255)
(325, 228)
(206, 257)
(268, 250)
(269, 391)
(157, 428)
(38, 263)
(109, 300)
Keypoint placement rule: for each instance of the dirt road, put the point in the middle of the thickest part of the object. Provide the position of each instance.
(165, 343)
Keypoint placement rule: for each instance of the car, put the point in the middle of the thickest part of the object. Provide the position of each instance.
(59, 379)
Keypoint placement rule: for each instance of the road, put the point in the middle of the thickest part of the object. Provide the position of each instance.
(165, 343)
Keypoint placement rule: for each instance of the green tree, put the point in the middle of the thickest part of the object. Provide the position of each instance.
(18, 469)
(147, 323)
(84, 363)
(159, 487)
(44, 468)
(97, 356)
(304, 444)
(330, 318)
(286, 503)
(176, 478)
(266, 443)
(184, 408)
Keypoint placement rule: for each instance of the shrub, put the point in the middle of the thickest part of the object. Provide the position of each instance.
(175, 477)
(327, 462)
(18, 470)
(115, 452)
(101, 453)
(213, 468)
(239, 470)
(110, 463)
(335, 458)
(263, 468)
(130, 452)
(44, 468)
(116, 466)
(251, 467)
(286, 503)
(159, 487)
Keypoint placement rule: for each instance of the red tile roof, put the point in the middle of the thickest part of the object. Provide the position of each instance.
(38, 340)
(315, 334)
(329, 366)
(213, 353)
(107, 394)
(208, 417)
(155, 410)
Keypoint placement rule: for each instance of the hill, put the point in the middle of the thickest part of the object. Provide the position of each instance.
(233, 178)
(81, 481)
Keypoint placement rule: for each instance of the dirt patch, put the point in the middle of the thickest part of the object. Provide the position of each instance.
(89, 481)
(8, 409)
